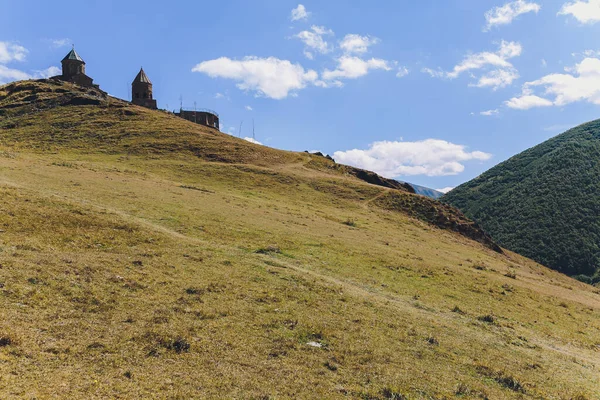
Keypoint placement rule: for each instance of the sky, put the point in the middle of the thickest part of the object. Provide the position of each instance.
(432, 92)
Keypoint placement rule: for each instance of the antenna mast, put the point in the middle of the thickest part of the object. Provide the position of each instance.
(240, 131)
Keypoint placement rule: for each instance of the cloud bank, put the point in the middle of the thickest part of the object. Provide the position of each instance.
(269, 77)
(579, 83)
(498, 72)
(431, 157)
(584, 11)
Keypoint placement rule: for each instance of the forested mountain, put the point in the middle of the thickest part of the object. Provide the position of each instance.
(544, 203)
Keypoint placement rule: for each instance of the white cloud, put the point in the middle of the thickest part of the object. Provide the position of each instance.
(219, 96)
(231, 130)
(500, 72)
(57, 43)
(431, 157)
(12, 52)
(299, 13)
(544, 63)
(356, 44)
(9, 75)
(353, 67)
(580, 83)
(248, 108)
(445, 190)
(402, 72)
(314, 41)
(252, 140)
(270, 77)
(497, 79)
(48, 72)
(586, 53)
(591, 53)
(506, 51)
(489, 113)
(585, 11)
(527, 101)
(434, 73)
(505, 14)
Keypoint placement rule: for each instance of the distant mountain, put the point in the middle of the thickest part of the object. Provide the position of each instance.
(425, 191)
(545, 202)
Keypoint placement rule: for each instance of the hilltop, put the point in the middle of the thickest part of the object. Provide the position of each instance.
(545, 202)
(144, 256)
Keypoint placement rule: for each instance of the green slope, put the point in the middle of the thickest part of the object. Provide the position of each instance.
(545, 202)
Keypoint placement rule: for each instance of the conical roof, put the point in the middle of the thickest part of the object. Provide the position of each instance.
(142, 77)
(73, 56)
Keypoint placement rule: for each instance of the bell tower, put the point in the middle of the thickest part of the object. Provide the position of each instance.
(141, 91)
(73, 70)
(72, 65)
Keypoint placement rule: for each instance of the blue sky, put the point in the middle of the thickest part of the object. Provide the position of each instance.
(432, 92)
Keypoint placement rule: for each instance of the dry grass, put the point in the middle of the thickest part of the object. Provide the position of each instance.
(126, 274)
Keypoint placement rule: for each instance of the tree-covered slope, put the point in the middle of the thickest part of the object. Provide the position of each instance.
(545, 202)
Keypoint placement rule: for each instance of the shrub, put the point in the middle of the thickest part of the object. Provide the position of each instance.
(509, 382)
(462, 390)
(269, 250)
(179, 345)
(5, 341)
(433, 341)
(457, 310)
(388, 393)
(502, 378)
(349, 222)
(330, 366)
(193, 291)
(511, 274)
(584, 279)
(490, 319)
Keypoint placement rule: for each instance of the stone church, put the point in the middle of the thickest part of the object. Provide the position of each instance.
(141, 91)
(73, 70)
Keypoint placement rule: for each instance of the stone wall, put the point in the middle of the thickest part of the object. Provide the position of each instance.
(200, 117)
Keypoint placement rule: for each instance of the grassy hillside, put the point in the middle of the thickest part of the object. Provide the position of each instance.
(142, 256)
(545, 202)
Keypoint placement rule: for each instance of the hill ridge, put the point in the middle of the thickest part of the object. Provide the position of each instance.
(107, 124)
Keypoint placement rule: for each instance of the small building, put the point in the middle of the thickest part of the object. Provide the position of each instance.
(73, 70)
(141, 91)
(203, 117)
